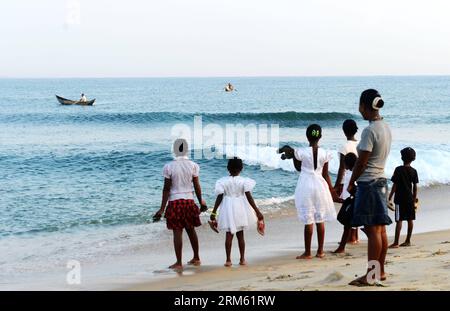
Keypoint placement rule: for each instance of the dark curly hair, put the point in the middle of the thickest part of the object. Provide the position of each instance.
(349, 127)
(408, 154)
(235, 165)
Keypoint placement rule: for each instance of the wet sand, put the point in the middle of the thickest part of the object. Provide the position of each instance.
(272, 265)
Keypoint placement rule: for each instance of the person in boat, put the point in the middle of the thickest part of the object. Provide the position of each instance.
(229, 87)
(83, 98)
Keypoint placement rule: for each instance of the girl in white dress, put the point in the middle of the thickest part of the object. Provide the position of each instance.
(314, 194)
(237, 209)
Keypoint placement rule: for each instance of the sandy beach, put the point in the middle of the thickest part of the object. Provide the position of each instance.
(423, 266)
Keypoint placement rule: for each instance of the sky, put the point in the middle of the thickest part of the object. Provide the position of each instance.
(171, 38)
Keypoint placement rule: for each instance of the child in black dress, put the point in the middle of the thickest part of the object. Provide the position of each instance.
(405, 181)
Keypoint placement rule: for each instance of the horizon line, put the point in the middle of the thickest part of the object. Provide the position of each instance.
(225, 76)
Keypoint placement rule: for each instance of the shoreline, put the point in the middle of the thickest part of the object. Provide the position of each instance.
(277, 269)
(423, 266)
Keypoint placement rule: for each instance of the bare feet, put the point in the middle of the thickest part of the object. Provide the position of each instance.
(176, 266)
(383, 277)
(320, 255)
(194, 262)
(242, 262)
(339, 250)
(354, 242)
(393, 245)
(304, 256)
(228, 264)
(405, 244)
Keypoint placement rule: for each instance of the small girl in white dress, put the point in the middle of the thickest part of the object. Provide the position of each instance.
(237, 209)
(314, 194)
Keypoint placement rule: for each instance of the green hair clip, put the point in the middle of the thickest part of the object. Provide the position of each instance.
(315, 133)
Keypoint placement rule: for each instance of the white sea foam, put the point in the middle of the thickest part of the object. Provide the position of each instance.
(432, 165)
(273, 201)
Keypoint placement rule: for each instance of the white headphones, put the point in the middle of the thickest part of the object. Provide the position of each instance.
(375, 103)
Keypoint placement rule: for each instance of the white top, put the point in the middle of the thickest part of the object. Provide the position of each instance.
(234, 186)
(346, 181)
(312, 196)
(349, 146)
(235, 213)
(83, 99)
(305, 155)
(181, 171)
(377, 139)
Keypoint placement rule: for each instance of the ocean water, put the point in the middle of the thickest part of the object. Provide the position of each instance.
(73, 177)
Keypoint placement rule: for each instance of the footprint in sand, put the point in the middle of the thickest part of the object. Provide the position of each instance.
(287, 277)
(279, 277)
(333, 277)
(422, 256)
(445, 242)
(439, 252)
(341, 255)
(304, 272)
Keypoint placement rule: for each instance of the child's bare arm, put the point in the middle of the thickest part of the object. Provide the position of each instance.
(327, 178)
(341, 171)
(358, 169)
(198, 193)
(415, 192)
(249, 196)
(165, 198)
(216, 206)
(297, 164)
(394, 188)
(287, 152)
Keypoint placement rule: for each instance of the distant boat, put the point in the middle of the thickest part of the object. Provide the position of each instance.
(65, 101)
(229, 87)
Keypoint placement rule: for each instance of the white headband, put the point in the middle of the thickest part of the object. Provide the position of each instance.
(375, 103)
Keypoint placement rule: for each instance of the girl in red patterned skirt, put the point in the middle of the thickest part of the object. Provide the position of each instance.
(181, 179)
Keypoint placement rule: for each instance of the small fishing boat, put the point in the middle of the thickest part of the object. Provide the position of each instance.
(65, 101)
(229, 87)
